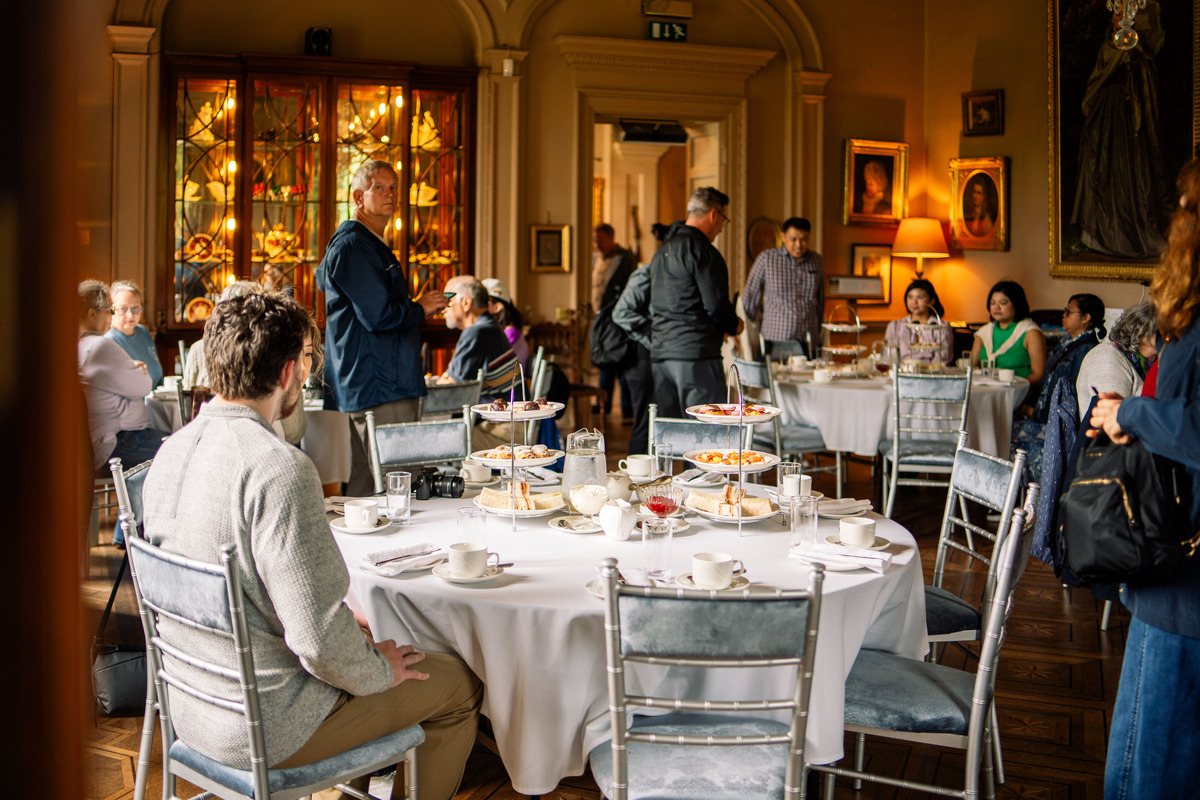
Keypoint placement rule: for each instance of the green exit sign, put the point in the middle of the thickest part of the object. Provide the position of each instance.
(668, 31)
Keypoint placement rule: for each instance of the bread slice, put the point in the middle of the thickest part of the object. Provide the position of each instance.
(756, 506)
(547, 500)
(497, 498)
(702, 501)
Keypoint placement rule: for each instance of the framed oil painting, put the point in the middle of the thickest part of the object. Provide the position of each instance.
(870, 278)
(550, 248)
(1122, 123)
(875, 183)
(983, 113)
(979, 203)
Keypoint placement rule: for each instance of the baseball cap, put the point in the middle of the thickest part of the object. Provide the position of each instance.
(496, 288)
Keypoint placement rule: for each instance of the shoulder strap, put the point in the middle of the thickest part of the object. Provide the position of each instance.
(112, 596)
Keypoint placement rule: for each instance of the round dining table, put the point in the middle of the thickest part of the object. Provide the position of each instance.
(534, 634)
(855, 414)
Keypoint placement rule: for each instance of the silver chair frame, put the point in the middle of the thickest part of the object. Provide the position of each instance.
(380, 456)
(942, 390)
(443, 400)
(210, 582)
(621, 650)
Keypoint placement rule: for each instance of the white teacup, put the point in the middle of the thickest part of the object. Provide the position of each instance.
(797, 362)
(822, 376)
(361, 514)
(857, 531)
(1006, 375)
(715, 570)
(471, 559)
(963, 363)
(171, 382)
(476, 472)
(639, 466)
(797, 485)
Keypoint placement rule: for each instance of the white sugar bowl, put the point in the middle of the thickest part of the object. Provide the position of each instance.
(618, 520)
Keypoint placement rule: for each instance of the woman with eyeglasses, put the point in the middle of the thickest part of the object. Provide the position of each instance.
(127, 332)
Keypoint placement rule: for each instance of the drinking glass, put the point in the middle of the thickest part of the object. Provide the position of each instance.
(787, 476)
(802, 511)
(664, 458)
(656, 545)
(399, 496)
(472, 525)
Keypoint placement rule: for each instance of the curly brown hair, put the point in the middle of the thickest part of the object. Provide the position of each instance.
(1176, 284)
(247, 341)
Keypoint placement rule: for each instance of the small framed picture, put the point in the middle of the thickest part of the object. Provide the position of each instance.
(870, 278)
(550, 248)
(979, 203)
(983, 113)
(875, 183)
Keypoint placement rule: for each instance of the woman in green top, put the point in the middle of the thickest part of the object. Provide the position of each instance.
(1011, 340)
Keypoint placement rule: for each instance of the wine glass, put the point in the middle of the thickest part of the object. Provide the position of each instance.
(588, 499)
(662, 500)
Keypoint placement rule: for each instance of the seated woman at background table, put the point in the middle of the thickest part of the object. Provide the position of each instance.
(127, 332)
(924, 308)
(501, 307)
(1119, 365)
(1011, 340)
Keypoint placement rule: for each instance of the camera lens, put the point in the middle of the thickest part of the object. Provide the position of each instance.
(447, 486)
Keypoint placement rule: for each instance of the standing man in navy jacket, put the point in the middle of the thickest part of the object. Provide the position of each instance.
(372, 326)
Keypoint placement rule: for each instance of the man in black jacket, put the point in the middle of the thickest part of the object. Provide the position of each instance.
(685, 307)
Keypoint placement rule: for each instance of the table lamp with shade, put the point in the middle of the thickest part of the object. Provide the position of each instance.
(920, 238)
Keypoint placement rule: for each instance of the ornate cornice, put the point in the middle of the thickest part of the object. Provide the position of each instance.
(596, 54)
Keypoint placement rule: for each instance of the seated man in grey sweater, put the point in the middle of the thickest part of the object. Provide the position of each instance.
(226, 478)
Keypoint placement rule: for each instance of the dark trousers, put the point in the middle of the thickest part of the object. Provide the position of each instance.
(640, 380)
(681, 384)
(787, 347)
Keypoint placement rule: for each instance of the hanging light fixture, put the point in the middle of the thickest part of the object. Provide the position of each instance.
(1126, 37)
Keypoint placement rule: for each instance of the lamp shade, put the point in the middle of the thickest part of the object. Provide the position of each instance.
(920, 237)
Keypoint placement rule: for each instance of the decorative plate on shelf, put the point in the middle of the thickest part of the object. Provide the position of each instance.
(201, 247)
(198, 309)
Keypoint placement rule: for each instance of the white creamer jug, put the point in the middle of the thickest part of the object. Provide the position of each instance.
(618, 520)
(620, 486)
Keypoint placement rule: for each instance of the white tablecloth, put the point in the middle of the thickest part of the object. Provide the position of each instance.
(534, 635)
(854, 415)
(164, 412)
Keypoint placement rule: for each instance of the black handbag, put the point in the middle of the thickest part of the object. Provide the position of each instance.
(118, 671)
(1120, 519)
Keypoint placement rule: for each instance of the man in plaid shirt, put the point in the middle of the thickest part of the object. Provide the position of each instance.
(788, 284)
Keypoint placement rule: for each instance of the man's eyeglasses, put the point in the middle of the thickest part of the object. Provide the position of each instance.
(121, 311)
(722, 213)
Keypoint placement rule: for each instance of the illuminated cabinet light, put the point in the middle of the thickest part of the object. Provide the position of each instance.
(230, 223)
(399, 224)
(399, 101)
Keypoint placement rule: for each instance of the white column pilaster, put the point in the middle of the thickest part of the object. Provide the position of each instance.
(498, 223)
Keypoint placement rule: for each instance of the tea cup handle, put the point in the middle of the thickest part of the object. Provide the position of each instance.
(738, 566)
(623, 465)
(489, 563)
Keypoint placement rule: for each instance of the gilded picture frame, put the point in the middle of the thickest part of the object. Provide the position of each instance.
(979, 203)
(1111, 224)
(550, 248)
(874, 170)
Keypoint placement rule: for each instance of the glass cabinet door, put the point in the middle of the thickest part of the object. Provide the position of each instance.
(203, 198)
(436, 188)
(286, 186)
(371, 123)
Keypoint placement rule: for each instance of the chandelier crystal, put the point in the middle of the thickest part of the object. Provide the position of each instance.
(1125, 38)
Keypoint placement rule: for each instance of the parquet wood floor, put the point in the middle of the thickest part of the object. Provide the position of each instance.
(1056, 685)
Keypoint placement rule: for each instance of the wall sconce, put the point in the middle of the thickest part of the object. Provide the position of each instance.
(508, 67)
(920, 238)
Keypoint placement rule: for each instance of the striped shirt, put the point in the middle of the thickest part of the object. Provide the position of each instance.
(790, 291)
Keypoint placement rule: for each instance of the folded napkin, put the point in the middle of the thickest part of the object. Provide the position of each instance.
(874, 560)
(540, 476)
(338, 503)
(847, 505)
(372, 561)
(699, 477)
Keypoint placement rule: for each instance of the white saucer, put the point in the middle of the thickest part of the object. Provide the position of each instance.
(678, 524)
(481, 484)
(739, 582)
(642, 511)
(879, 544)
(561, 523)
(339, 524)
(834, 515)
(443, 571)
(643, 478)
(773, 491)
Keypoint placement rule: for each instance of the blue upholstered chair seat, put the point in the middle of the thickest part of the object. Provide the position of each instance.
(929, 452)
(385, 750)
(946, 612)
(892, 693)
(672, 772)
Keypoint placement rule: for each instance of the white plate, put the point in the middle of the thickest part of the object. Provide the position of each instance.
(722, 518)
(773, 491)
(879, 544)
(443, 572)
(485, 410)
(504, 463)
(769, 413)
(769, 460)
(739, 582)
(480, 484)
(686, 484)
(833, 515)
(643, 478)
(508, 512)
(339, 524)
(678, 524)
(562, 523)
(832, 565)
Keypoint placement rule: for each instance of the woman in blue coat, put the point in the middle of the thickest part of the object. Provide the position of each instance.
(127, 332)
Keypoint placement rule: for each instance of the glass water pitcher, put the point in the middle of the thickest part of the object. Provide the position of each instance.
(585, 466)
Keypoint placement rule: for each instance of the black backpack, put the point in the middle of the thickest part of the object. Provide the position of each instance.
(611, 347)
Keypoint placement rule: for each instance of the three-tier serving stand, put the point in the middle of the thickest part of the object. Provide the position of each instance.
(852, 331)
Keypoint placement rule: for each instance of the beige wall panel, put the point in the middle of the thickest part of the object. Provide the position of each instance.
(398, 30)
(94, 117)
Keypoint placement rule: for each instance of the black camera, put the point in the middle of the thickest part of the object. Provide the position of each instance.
(430, 482)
